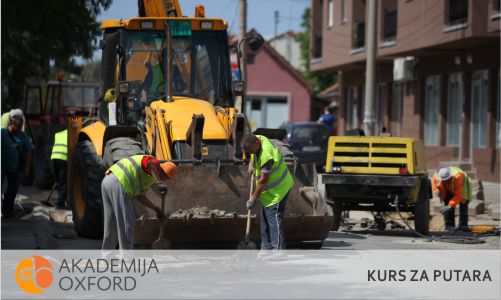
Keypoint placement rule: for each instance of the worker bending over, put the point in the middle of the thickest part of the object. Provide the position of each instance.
(273, 183)
(129, 178)
(454, 187)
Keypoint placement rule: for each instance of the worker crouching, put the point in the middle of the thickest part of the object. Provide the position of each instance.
(454, 188)
(126, 180)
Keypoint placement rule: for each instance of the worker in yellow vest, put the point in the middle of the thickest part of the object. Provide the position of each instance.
(126, 180)
(59, 159)
(273, 184)
(454, 187)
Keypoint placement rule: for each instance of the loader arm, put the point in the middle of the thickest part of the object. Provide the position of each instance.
(159, 8)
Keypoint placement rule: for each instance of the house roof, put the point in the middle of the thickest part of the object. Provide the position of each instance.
(282, 62)
(331, 91)
(284, 34)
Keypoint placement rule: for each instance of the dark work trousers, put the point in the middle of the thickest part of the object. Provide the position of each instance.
(13, 181)
(272, 226)
(60, 170)
(449, 216)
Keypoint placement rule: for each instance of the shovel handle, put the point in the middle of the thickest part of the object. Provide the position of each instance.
(247, 229)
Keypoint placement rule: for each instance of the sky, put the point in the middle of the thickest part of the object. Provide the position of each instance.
(260, 13)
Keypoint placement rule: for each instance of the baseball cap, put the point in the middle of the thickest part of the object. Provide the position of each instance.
(169, 169)
(16, 113)
(444, 173)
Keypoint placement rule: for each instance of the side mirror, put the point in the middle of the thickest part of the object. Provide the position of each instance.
(238, 87)
(255, 42)
(110, 96)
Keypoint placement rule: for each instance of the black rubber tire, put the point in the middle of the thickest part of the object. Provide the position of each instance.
(119, 148)
(337, 210)
(85, 198)
(43, 173)
(422, 208)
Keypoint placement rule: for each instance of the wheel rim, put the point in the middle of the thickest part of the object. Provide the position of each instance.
(79, 197)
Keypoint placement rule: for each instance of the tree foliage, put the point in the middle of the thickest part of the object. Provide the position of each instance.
(39, 34)
(319, 79)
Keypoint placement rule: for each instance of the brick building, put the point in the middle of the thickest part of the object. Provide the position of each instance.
(437, 73)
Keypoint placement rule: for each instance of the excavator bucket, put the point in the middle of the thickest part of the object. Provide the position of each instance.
(206, 204)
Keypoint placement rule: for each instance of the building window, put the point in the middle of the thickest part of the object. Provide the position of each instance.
(359, 34)
(496, 5)
(455, 101)
(432, 111)
(390, 23)
(479, 108)
(343, 12)
(268, 112)
(330, 12)
(458, 11)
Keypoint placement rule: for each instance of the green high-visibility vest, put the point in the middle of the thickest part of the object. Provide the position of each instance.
(131, 175)
(280, 181)
(467, 184)
(157, 80)
(60, 148)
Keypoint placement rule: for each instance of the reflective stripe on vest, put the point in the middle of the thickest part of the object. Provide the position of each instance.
(60, 148)
(131, 175)
(280, 181)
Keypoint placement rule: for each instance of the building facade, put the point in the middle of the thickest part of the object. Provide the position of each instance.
(437, 73)
(276, 91)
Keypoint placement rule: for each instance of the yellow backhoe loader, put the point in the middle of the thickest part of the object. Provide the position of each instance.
(168, 92)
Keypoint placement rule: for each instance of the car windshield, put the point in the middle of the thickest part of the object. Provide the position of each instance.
(200, 66)
(315, 132)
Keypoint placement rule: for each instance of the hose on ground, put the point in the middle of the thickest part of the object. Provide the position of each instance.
(446, 238)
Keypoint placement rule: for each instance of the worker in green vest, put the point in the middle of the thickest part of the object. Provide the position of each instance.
(273, 184)
(59, 159)
(126, 180)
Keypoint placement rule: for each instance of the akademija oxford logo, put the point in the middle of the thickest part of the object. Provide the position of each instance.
(34, 274)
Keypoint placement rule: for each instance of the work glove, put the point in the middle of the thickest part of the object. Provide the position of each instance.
(160, 213)
(445, 209)
(250, 203)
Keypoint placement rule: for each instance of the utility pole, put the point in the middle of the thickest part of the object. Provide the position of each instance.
(276, 16)
(370, 72)
(243, 32)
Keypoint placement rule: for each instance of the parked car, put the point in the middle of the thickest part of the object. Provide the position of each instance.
(308, 141)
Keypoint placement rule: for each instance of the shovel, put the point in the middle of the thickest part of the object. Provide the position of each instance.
(247, 243)
(46, 202)
(162, 242)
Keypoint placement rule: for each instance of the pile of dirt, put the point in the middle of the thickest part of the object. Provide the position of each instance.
(202, 212)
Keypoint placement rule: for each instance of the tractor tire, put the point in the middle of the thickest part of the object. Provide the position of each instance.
(119, 148)
(85, 199)
(337, 211)
(422, 209)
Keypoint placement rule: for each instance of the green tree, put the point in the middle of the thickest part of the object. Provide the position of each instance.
(320, 79)
(40, 35)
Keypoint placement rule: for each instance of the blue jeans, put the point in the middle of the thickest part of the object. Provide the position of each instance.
(272, 228)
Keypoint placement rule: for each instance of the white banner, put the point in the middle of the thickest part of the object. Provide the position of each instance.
(214, 274)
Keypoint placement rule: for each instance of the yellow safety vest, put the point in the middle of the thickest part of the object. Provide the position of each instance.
(131, 175)
(280, 181)
(60, 148)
